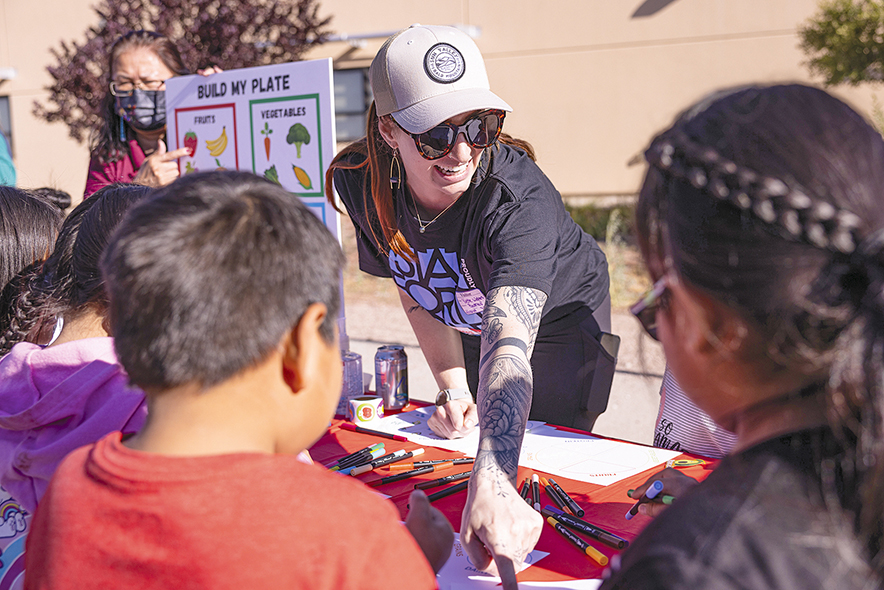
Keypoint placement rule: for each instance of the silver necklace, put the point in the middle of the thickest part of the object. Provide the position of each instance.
(417, 215)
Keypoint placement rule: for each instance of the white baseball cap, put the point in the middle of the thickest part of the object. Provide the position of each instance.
(424, 75)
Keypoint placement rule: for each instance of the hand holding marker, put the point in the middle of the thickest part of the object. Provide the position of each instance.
(651, 493)
(664, 499)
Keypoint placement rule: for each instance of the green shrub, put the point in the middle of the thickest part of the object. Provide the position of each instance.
(605, 224)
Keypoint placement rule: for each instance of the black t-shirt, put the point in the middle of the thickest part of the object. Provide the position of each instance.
(758, 522)
(509, 229)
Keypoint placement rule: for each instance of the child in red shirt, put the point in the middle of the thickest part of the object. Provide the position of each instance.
(223, 303)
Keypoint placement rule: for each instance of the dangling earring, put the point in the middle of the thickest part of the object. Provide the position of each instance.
(395, 177)
(122, 131)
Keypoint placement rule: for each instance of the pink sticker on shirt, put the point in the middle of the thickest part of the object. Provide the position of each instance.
(472, 301)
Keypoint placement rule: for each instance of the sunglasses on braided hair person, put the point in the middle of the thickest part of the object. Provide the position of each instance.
(760, 219)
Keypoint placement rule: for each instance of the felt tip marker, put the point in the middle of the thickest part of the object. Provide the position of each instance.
(573, 506)
(385, 460)
(442, 480)
(582, 526)
(557, 511)
(366, 460)
(360, 458)
(599, 557)
(535, 491)
(416, 464)
(448, 491)
(665, 498)
(552, 493)
(363, 430)
(654, 489)
(367, 449)
(355, 455)
(412, 473)
(526, 486)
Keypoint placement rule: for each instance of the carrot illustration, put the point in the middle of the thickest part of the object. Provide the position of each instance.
(266, 133)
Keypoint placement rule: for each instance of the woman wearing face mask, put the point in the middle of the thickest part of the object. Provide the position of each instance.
(130, 145)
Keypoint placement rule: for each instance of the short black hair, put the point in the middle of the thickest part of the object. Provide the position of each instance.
(206, 277)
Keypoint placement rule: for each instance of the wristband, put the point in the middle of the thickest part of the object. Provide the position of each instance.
(446, 395)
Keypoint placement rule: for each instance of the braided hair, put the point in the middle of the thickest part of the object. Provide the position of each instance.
(768, 199)
(28, 228)
(70, 279)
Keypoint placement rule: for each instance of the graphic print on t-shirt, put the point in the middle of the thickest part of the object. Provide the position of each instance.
(434, 283)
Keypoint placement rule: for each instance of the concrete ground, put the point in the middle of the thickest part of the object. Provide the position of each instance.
(632, 407)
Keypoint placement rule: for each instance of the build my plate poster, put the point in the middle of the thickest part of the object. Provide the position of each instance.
(276, 121)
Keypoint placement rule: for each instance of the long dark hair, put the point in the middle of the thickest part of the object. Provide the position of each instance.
(70, 279)
(377, 155)
(106, 143)
(769, 200)
(28, 229)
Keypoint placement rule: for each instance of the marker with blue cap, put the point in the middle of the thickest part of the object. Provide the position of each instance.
(651, 493)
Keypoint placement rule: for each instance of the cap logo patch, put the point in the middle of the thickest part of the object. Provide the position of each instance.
(444, 63)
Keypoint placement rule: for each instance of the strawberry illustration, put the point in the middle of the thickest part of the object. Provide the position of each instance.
(190, 142)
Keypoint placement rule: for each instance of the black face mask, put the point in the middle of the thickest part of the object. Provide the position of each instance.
(144, 110)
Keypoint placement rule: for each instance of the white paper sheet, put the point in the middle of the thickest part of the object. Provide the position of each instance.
(581, 457)
(459, 571)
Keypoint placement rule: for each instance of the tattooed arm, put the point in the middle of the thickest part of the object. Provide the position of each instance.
(442, 349)
(498, 528)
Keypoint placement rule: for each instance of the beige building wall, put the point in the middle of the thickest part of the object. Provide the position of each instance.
(44, 153)
(589, 81)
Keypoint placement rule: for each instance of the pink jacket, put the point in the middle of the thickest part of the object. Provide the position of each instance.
(123, 170)
(54, 400)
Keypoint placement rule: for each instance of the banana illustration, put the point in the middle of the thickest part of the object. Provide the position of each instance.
(218, 145)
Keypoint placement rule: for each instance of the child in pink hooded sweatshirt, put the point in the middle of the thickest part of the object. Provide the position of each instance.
(72, 392)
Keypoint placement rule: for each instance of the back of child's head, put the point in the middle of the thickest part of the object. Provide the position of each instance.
(207, 276)
(28, 229)
(769, 200)
(55, 196)
(70, 278)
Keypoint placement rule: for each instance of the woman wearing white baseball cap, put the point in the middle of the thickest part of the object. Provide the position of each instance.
(507, 295)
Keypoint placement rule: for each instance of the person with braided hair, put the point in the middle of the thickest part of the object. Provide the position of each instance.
(761, 223)
(28, 228)
(72, 392)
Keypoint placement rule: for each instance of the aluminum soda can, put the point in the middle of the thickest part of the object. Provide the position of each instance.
(391, 376)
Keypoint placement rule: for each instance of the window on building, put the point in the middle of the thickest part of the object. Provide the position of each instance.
(352, 99)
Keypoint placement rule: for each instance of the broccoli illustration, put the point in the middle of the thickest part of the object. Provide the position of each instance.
(299, 136)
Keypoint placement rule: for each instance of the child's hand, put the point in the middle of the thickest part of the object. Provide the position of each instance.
(430, 529)
(675, 483)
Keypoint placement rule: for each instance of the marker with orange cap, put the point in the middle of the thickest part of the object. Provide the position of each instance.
(412, 473)
(591, 551)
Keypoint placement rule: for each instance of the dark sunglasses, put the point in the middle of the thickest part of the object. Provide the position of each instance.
(645, 309)
(481, 131)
